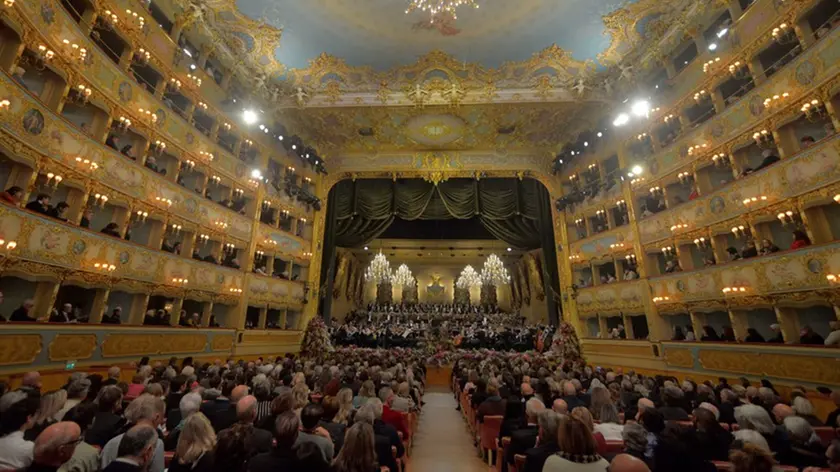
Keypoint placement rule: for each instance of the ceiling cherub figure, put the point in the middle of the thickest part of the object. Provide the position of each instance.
(455, 93)
(580, 87)
(301, 96)
(626, 72)
(418, 95)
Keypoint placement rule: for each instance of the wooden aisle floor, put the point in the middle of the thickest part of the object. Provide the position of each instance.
(442, 442)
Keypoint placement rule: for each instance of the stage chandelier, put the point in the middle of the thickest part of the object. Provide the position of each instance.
(494, 272)
(403, 276)
(469, 278)
(379, 270)
(439, 7)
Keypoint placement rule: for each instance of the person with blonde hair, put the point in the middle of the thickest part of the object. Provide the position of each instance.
(194, 452)
(751, 458)
(578, 449)
(345, 406)
(359, 451)
(51, 403)
(584, 415)
(402, 401)
(366, 392)
(300, 392)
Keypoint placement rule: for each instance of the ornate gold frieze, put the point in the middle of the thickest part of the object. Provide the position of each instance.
(19, 348)
(129, 345)
(679, 357)
(221, 342)
(71, 346)
(815, 369)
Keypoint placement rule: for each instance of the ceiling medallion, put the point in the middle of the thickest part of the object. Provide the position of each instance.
(439, 7)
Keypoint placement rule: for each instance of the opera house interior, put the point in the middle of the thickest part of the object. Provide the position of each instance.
(419, 235)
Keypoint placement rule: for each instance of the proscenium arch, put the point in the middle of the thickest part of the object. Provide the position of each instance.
(550, 248)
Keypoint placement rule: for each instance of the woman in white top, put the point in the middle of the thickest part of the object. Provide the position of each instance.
(578, 449)
(609, 425)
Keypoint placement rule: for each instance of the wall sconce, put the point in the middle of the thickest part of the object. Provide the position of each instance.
(207, 155)
(814, 110)
(307, 180)
(307, 254)
(741, 231)
(86, 164)
(216, 180)
(180, 281)
(837, 198)
(5, 104)
(53, 180)
(738, 70)
(601, 215)
(188, 164)
(678, 227)
(174, 85)
(573, 178)
(220, 224)
(148, 115)
(782, 34)
(661, 299)
(642, 136)
(702, 243)
(44, 55)
(697, 148)
(235, 290)
(683, 177)
(668, 118)
(303, 220)
(656, 191)
(138, 21)
(202, 105)
(266, 204)
(270, 242)
(123, 123)
(142, 57)
(80, 94)
(701, 96)
(248, 142)
(238, 192)
(637, 180)
(195, 80)
(284, 213)
(753, 200)
(789, 218)
(580, 223)
(175, 228)
(254, 182)
(668, 251)
(158, 147)
(8, 3)
(203, 238)
(775, 100)
(622, 205)
(630, 258)
(108, 19)
(720, 160)
(229, 247)
(763, 138)
(164, 201)
(142, 215)
(104, 266)
(574, 257)
(290, 169)
(617, 246)
(733, 290)
(832, 278)
(707, 66)
(260, 254)
(592, 167)
(226, 126)
(100, 200)
(6, 247)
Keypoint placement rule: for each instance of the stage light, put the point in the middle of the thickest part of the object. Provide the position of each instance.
(640, 108)
(621, 119)
(249, 116)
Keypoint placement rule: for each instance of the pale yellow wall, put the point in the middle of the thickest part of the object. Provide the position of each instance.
(425, 273)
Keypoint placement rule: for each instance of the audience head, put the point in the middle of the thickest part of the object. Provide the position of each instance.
(196, 438)
(138, 443)
(16, 411)
(310, 416)
(799, 430)
(628, 463)
(644, 404)
(575, 437)
(751, 458)
(146, 409)
(358, 454)
(754, 417)
(286, 428)
(560, 406)
(549, 422)
(386, 395)
(782, 411)
(57, 443)
(634, 436)
(246, 409)
(283, 402)
(533, 407)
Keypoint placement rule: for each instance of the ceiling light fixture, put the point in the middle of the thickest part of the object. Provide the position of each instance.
(438, 7)
(249, 116)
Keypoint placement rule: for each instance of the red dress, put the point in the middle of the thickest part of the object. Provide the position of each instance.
(799, 243)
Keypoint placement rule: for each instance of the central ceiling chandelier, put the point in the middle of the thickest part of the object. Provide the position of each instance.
(494, 272)
(379, 270)
(438, 7)
(469, 278)
(403, 276)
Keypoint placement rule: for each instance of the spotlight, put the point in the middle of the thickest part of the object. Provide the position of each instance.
(249, 116)
(621, 120)
(640, 108)
(713, 46)
(600, 134)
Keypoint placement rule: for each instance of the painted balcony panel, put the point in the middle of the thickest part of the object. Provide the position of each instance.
(613, 298)
(264, 289)
(598, 246)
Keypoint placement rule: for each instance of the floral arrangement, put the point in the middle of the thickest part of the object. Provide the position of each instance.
(316, 339)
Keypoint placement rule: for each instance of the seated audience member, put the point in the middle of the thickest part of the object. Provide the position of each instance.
(628, 463)
(833, 338)
(570, 396)
(748, 250)
(494, 405)
(806, 141)
(778, 337)
(751, 458)
(232, 452)
(114, 318)
(514, 417)
(111, 229)
(246, 413)
(106, 422)
(87, 215)
(546, 445)
(195, 445)
(143, 411)
(404, 403)
(673, 399)
(59, 212)
(583, 414)
(113, 142)
(808, 336)
(379, 427)
(66, 315)
(328, 422)
(359, 454)
(282, 402)
(756, 418)
(282, 456)
(12, 196)
(709, 334)
(635, 440)
(578, 449)
(55, 446)
(831, 419)
(800, 240)
(770, 158)
(806, 450)
(85, 457)
(310, 418)
(609, 424)
(50, 404)
(41, 204)
(712, 441)
(805, 410)
(16, 411)
(135, 451)
(753, 336)
(189, 405)
(391, 417)
(382, 442)
(767, 247)
(77, 391)
(366, 392)
(525, 437)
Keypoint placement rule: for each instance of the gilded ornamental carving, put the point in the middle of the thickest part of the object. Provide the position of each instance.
(19, 348)
(71, 346)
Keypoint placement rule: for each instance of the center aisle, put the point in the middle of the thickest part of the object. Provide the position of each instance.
(442, 442)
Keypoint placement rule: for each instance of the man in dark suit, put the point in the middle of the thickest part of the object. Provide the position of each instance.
(282, 456)
(136, 449)
(535, 457)
(246, 412)
(22, 313)
(673, 398)
(41, 204)
(222, 411)
(570, 396)
(106, 423)
(525, 438)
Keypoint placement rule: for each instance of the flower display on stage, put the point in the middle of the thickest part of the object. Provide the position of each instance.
(316, 339)
(468, 278)
(379, 270)
(403, 276)
(494, 271)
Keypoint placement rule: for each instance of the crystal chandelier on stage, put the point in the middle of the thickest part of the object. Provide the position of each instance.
(468, 278)
(403, 276)
(494, 272)
(379, 270)
(439, 7)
